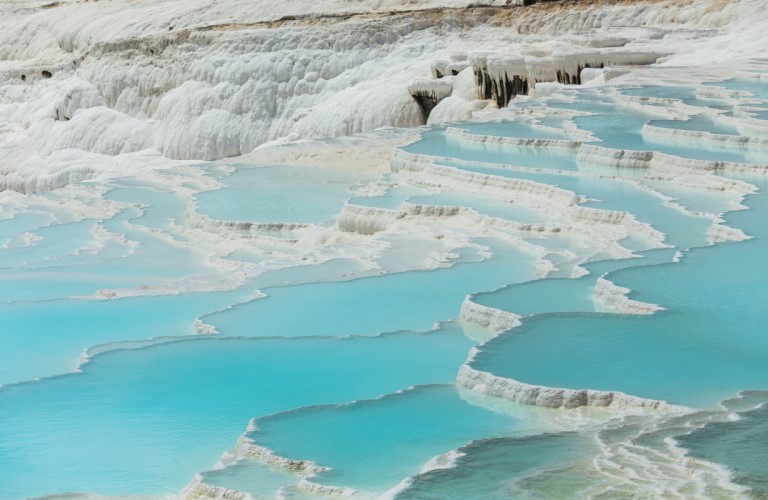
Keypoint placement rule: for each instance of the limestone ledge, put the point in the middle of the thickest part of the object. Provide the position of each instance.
(615, 299)
(489, 317)
(551, 397)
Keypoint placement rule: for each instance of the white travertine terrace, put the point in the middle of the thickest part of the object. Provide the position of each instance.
(95, 90)
(428, 93)
(552, 397)
(246, 448)
(198, 488)
(614, 298)
(547, 144)
(674, 136)
(489, 317)
(366, 220)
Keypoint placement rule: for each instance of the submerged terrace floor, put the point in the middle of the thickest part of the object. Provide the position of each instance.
(442, 318)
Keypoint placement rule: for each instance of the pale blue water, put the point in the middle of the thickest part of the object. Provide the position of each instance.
(511, 129)
(339, 269)
(77, 265)
(392, 199)
(756, 88)
(621, 129)
(508, 209)
(555, 121)
(604, 105)
(660, 91)
(686, 94)
(697, 123)
(154, 258)
(159, 206)
(10, 228)
(66, 260)
(96, 265)
(436, 143)
(57, 241)
(505, 209)
(280, 194)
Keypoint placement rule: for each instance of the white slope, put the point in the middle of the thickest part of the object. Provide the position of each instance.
(85, 83)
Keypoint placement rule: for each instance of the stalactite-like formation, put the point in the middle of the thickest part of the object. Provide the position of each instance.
(427, 93)
(502, 78)
(457, 63)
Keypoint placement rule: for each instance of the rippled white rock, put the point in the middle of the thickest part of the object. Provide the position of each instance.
(192, 81)
(552, 397)
(610, 297)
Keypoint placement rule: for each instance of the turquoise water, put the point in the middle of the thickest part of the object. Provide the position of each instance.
(49, 284)
(686, 355)
(681, 230)
(403, 301)
(671, 357)
(509, 468)
(697, 200)
(74, 263)
(180, 405)
(44, 334)
(46, 338)
(717, 442)
(563, 295)
(251, 477)
(373, 445)
(309, 362)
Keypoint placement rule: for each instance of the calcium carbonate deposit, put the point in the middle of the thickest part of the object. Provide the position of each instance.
(383, 249)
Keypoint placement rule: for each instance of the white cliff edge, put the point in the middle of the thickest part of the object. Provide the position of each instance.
(552, 397)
